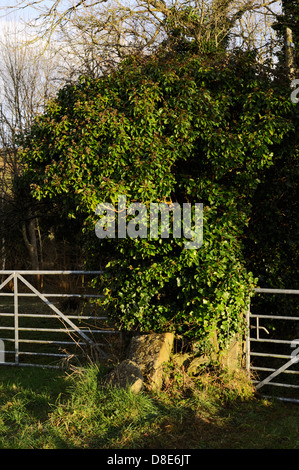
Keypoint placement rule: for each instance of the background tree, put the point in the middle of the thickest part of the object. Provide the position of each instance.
(28, 80)
(168, 128)
(21, 79)
(272, 237)
(111, 30)
(275, 217)
(207, 127)
(287, 27)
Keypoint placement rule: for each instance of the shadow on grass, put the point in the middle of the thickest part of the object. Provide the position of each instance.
(85, 416)
(252, 424)
(37, 388)
(167, 427)
(51, 381)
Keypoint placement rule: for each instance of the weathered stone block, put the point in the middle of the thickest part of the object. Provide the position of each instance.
(192, 365)
(126, 374)
(197, 364)
(144, 364)
(231, 357)
(182, 359)
(150, 352)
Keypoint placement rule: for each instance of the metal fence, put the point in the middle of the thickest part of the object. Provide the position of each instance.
(27, 314)
(26, 329)
(259, 334)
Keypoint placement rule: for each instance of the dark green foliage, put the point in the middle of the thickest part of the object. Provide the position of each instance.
(274, 226)
(180, 129)
(271, 246)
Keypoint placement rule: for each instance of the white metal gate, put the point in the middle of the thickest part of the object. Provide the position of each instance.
(27, 327)
(268, 364)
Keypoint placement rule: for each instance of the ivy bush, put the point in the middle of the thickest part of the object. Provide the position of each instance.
(164, 129)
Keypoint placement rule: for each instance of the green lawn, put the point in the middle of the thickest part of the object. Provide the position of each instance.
(50, 409)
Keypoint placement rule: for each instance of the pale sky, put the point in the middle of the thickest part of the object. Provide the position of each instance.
(14, 14)
(8, 14)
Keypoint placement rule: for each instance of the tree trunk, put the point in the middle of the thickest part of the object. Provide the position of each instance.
(289, 53)
(31, 244)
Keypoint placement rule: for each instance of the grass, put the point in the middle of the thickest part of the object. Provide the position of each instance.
(50, 409)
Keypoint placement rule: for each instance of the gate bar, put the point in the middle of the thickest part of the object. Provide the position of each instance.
(56, 310)
(276, 291)
(49, 272)
(6, 281)
(16, 315)
(15, 276)
(285, 367)
(277, 372)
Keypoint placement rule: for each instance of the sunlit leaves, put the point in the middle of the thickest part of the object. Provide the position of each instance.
(165, 129)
